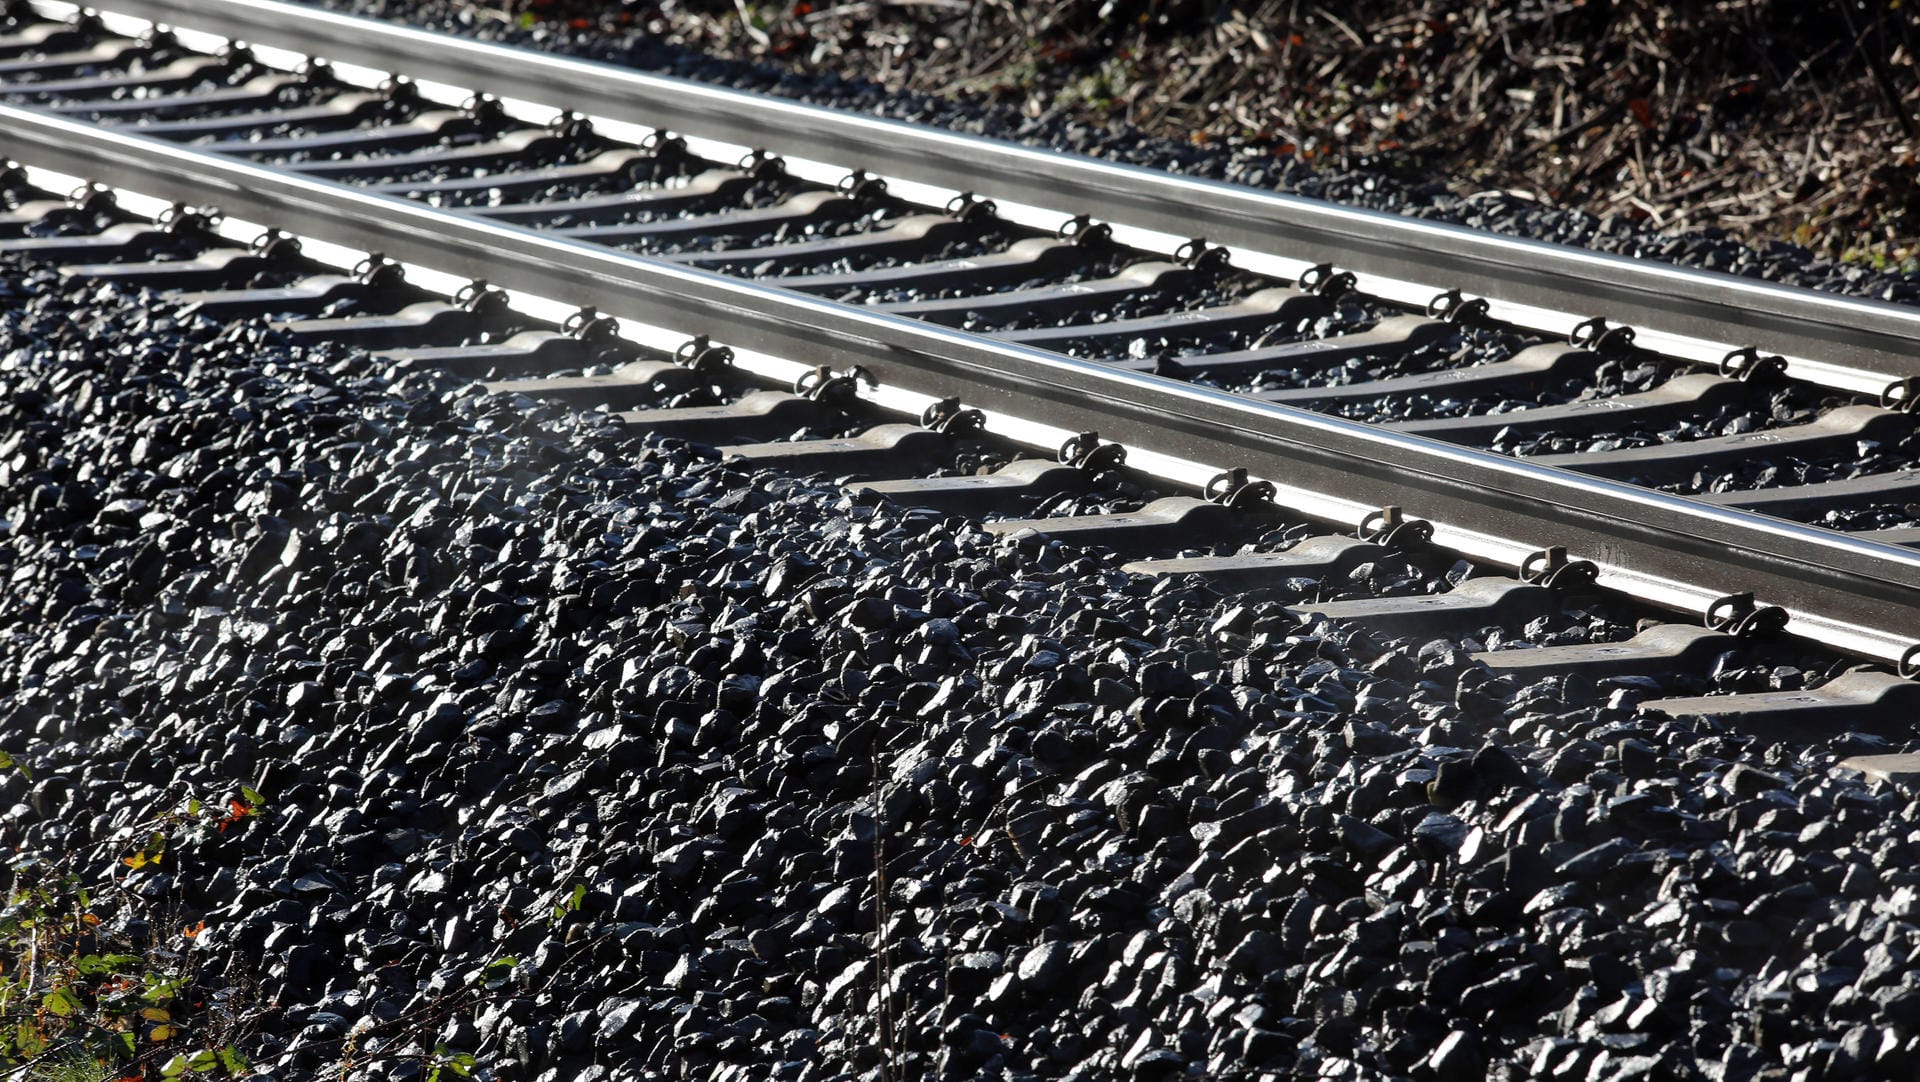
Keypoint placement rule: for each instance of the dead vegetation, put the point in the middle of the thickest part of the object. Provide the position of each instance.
(1770, 119)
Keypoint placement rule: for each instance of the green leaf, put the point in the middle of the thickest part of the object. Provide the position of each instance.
(27, 1039)
(569, 904)
(579, 897)
(174, 1067)
(129, 1044)
(252, 797)
(94, 965)
(232, 1061)
(159, 989)
(439, 1057)
(202, 1060)
(498, 972)
(62, 1001)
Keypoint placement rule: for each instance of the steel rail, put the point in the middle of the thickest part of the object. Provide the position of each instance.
(1857, 596)
(1827, 338)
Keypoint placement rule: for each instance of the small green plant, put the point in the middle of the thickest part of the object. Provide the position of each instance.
(569, 904)
(69, 1068)
(205, 1061)
(460, 1063)
(79, 1002)
(496, 974)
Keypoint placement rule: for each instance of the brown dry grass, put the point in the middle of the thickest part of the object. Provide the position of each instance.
(1770, 119)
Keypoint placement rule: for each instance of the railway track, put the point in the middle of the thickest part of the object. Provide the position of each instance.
(927, 310)
(907, 607)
